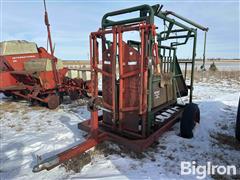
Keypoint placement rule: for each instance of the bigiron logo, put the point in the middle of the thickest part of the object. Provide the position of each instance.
(201, 171)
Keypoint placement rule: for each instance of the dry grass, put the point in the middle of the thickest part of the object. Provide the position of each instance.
(206, 76)
(8, 106)
(226, 140)
(76, 164)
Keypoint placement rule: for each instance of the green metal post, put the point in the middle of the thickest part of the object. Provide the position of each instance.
(150, 80)
(204, 50)
(193, 64)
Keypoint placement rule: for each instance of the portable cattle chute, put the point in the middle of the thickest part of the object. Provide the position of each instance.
(32, 73)
(141, 81)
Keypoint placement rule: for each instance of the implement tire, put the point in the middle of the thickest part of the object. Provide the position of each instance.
(7, 94)
(53, 101)
(190, 116)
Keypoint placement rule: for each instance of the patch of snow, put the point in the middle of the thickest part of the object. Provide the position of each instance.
(29, 131)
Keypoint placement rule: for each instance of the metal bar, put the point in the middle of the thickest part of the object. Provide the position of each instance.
(149, 82)
(162, 16)
(29, 96)
(164, 60)
(193, 64)
(129, 74)
(169, 30)
(169, 61)
(141, 73)
(121, 88)
(133, 20)
(179, 37)
(53, 59)
(94, 114)
(125, 28)
(185, 73)
(187, 37)
(56, 160)
(91, 58)
(173, 31)
(186, 20)
(145, 81)
(114, 73)
(150, 17)
(166, 47)
(174, 71)
(204, 50)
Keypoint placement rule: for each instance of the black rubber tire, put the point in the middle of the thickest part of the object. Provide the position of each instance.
(53, 101)
(34, 102)
(238, 122)
(7, 94)
(61, 99)
(190, 116)
(74, 95)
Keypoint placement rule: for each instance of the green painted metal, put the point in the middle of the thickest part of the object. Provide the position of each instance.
(169, 62)
(186, 20)
(204, 50)
(144, 9)
(193, 64)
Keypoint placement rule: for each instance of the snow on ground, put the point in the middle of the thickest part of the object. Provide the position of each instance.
(29, 131)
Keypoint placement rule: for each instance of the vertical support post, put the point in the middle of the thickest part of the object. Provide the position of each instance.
(149, 41)
(159, 40)
(169, 61)
(144, 83)
(121, 87)
(204, 50)
(53, 59)
(94, 81)
(193, 64)
(185, 71)
(164, 60)
(114, 73)
(141, 71)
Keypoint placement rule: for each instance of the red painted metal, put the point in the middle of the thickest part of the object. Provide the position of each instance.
(35, 85)
(139, 144)
(123, 113)
(53, 58)
(54, 161)
(40, 86)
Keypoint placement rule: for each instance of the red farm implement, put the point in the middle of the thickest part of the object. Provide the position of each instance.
(141, 81)
(34, 74)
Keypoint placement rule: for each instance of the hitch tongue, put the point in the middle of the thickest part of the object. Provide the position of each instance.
(57, 159)
(47, 164)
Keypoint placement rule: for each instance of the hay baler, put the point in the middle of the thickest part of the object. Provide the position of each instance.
(142, 81)
(26, 71)
(34, 74)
